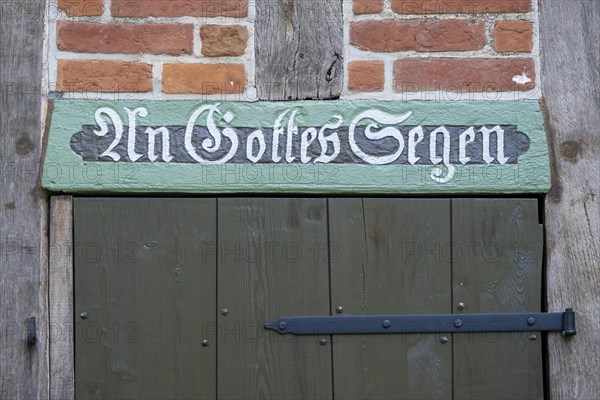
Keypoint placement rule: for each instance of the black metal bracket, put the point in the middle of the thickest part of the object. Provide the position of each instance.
(426, 323)
(31, 330)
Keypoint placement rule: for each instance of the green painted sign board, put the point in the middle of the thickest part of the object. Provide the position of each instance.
(361, 147)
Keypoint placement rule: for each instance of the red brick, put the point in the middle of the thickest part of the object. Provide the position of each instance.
(366, 76)
(418, 35)
(85, 37)
(204, 78)
(180, 8)
(103, 76)
(460, 6)
(367, 6)
(463, 74)
(82, 8)
(513, 36)
(223, 40)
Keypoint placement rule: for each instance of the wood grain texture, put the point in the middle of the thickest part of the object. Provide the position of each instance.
(147, 283)
(299, 47)
(273, 262)
(570, 84)
(60, 286)
(497, 267)
(23, 208)
(388, 257)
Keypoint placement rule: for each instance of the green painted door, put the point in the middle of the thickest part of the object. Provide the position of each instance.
(144, 294)
(387, 262)
(497, 267)
(171, 296)
(266, 268)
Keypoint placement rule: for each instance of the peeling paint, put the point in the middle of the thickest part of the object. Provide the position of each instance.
(66, 170)
(521, 79)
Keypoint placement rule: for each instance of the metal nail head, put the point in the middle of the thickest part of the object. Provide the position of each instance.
(386, 324)
(84, 315)
(458, 323)
(323, 342)
(282, 325)
(204, 342)
(339, 309)
(461, 306)
(444, 339)
(531, 321)
(533, 337)
(224, 311)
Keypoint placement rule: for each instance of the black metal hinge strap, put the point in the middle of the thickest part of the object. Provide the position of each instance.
(426, 323)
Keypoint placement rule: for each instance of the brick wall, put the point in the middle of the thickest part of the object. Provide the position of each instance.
(441, 49)
(151, 48)
(397, 49)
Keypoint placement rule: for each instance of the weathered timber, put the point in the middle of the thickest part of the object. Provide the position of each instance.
(570, 85)
(23, 209)
(299, 49)
(60, 286)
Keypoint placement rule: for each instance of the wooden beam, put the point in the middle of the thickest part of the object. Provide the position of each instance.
(356, 167)
(570, 81)
(23, 210)
(299, 49)
(62, 375)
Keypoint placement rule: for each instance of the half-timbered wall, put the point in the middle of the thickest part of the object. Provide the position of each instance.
(435, 50)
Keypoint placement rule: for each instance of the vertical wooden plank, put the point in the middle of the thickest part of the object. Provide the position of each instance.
(298, 48)
(272, 262)
(497, 267)
(570, 80)
(62, 347)
(147, 284)
(23, 206)
(391, 256)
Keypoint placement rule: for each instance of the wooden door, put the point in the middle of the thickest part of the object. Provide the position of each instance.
(388, 260)
(148, 293)
(497, 268)
(266, 269)
(176, 291)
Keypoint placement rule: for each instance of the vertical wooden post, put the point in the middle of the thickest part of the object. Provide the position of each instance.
(62, 379)
(23, 209)
(570, 81)
(299, 49)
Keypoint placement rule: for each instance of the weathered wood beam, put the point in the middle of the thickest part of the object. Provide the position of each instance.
(62, 356)
(299, 49)
(23, 209)
(570, 60)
